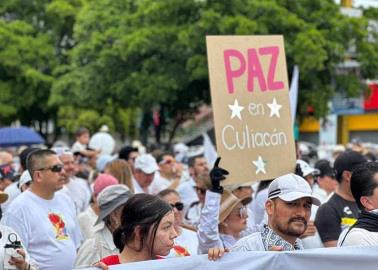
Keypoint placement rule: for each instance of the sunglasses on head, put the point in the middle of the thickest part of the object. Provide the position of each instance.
(179, 206)
(200, 190)
(54, 168)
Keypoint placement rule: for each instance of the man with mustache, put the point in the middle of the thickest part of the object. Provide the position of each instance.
(289, 208)
(43, 216)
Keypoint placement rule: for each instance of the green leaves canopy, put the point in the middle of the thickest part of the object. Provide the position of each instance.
(116, 57)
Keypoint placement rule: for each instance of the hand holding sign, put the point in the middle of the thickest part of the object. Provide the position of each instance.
(250, 100)
(217, 175)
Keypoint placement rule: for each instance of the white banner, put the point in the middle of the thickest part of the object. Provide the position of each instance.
(312, 259)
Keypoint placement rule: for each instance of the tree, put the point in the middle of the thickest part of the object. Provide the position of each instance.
(35, 36)
(24, 83)
(116, 61)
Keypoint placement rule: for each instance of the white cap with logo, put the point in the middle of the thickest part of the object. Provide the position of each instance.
(291, 187)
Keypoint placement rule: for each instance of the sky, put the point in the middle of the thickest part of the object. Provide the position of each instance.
(364, 3)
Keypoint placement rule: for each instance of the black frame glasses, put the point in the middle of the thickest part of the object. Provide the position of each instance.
(57, 168)
(179, 206)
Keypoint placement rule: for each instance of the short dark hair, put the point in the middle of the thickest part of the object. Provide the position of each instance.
(166, 192)
(36, 159)
(347, 161)
(160, 157)
(192, 160)
(124, 153)
(145, 211)
(24, 156)
(81, 131)
(362, 182)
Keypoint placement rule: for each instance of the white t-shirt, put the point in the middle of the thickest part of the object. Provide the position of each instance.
(78, 147)
(358, 237)
(13, 191)
(48, 228)
(138, 188)
(87, 220)
(252, 242)
(78, 190)
(320, 193)
(96, 248)
(257, 208)
(193, 214)
(187, 193)
(159, 183)
(187, 240)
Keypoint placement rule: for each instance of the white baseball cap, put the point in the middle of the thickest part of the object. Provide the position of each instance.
(291, 187)
(146, 163)
(306, 168)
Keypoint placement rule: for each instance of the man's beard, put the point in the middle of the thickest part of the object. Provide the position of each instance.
(291, 232)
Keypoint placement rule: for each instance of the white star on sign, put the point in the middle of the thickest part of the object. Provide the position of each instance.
(274, 108)
(236, 109)
(260, 165)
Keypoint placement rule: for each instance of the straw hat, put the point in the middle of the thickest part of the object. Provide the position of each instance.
(228, 202)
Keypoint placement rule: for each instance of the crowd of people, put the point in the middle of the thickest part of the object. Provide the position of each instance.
(65, 208)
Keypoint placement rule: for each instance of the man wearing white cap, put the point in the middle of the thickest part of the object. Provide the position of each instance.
(289, 209)
(145, 167)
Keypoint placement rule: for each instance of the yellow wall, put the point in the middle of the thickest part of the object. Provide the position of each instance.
(345, 124)
(346, 3)
(362, 122)
(309, 124)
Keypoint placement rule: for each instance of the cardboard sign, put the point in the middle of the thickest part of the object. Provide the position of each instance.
(250, 99)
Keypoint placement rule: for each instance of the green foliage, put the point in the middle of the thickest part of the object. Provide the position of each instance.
(25, 55)
(111, 61)
(72, 118)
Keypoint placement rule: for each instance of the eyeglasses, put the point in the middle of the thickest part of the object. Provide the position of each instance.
(200, 190)
(167, 161)
(241, 212)
(179, 206)
(54, 168)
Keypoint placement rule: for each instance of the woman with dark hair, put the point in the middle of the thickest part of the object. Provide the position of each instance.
(146, 231)
(186, 243)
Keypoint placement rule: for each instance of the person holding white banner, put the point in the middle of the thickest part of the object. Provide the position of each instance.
(289, 209)
(146, 231)
(186, 243)
(223, 217)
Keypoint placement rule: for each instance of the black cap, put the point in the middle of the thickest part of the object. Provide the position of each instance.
(325, 168)
(347, 161)
(125, 152)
